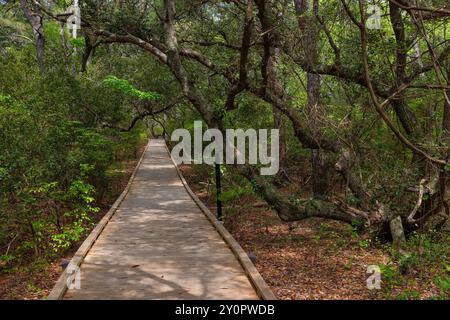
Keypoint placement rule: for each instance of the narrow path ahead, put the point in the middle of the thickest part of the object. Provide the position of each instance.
(160, 245)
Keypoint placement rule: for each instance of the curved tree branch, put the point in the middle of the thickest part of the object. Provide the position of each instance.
(141, 116)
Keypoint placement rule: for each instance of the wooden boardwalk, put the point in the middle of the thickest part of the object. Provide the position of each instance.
(159, 243)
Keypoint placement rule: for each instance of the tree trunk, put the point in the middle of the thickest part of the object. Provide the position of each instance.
(397, 232)
(279, 124)
(446, 118)
(87, 53)
(402, 110)
(35, 18)
(309, 36)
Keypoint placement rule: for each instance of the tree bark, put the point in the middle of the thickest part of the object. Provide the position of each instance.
(87, 53)
(397, 232)
(35, 18)
(309, 36)
(279, 124)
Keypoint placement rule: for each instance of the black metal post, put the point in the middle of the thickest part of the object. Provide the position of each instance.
(218, 192)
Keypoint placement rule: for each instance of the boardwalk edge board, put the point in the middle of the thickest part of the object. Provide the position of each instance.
(60, 288)
(258, 283)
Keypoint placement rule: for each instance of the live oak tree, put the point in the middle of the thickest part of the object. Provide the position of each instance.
(371, 105)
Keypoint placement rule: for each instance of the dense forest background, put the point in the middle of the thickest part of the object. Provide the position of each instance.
(360, 91)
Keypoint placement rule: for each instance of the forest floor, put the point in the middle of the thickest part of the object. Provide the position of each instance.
(35, 280)
(323, 259)
(311, 259)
